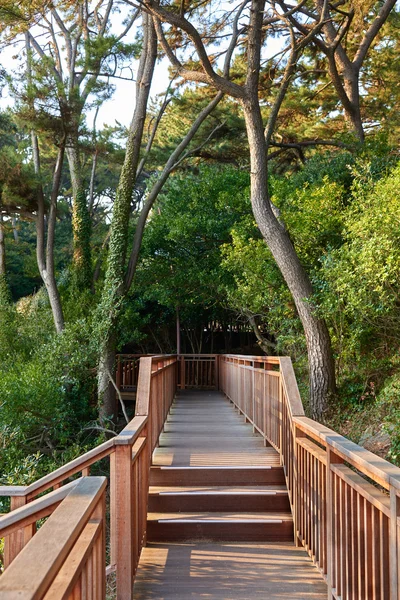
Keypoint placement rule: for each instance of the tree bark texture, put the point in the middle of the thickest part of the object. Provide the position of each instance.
(45, 251)
(81, 222)
(107, 405)
(320, 358)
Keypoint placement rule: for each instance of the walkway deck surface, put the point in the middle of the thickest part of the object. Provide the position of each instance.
(204, 430)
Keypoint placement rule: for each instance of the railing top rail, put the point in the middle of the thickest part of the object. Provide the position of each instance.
(373, 466)
(253, 358)
(41, 559)
(138, 356)
(63, 472)
(29, 512)
(131, 432)
(190, 354)
(290, 386)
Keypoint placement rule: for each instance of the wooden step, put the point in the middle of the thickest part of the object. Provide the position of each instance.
(237, 527)
(219, 499)
(222, 476)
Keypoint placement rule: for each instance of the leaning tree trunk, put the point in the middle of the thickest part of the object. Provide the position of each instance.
(81, 223)
(118, 279)
(321, 364)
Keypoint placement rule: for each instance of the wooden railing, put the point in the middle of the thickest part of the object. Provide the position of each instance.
(66, 557)
(127, 371)
(129, 456)
(198, 371)
(345, 500)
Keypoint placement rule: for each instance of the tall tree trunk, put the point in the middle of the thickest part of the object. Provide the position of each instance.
(114, 286)
(321, 364)
(81, 222)
(45, 251)
(347, 88)
(118, 278)
(105, 372)
(353, 114)
(2, 249)
(5, 297)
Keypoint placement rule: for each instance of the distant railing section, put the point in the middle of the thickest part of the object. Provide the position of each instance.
(345, 500)
(198, 371)
(129, 456)
(127, 371)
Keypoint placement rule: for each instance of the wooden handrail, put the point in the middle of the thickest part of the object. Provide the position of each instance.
(130, 455)
(32, 512)
(349, 527)
(40, 562)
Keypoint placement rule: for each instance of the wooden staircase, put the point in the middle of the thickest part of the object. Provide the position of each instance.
(215, 502)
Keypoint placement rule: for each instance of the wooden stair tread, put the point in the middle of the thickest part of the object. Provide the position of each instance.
(256, 489)
(171, 459)
(226, 517)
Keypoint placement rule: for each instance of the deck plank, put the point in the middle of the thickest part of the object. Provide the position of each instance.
(204, 429)
(227, 571)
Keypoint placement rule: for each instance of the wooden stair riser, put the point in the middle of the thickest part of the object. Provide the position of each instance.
(222, 477)
(229, 531)
(218, 502)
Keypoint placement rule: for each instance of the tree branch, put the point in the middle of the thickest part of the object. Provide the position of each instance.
(208, 75)
(153, 132)
(157, 187)
(372, 32)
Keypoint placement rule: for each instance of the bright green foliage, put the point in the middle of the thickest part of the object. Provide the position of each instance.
(259, 288)
(180, 259)
(46, 383)
(363, 273)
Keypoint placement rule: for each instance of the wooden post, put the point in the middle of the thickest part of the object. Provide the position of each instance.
(331, 458)
(14, 543)
(122, 517)
(99, 514)
(178, 332)
(183, 374)
(217, 371)
(297, 492)
(394, 544)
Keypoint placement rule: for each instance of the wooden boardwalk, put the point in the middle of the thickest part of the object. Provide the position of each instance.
(219, 522)
(201, 506)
